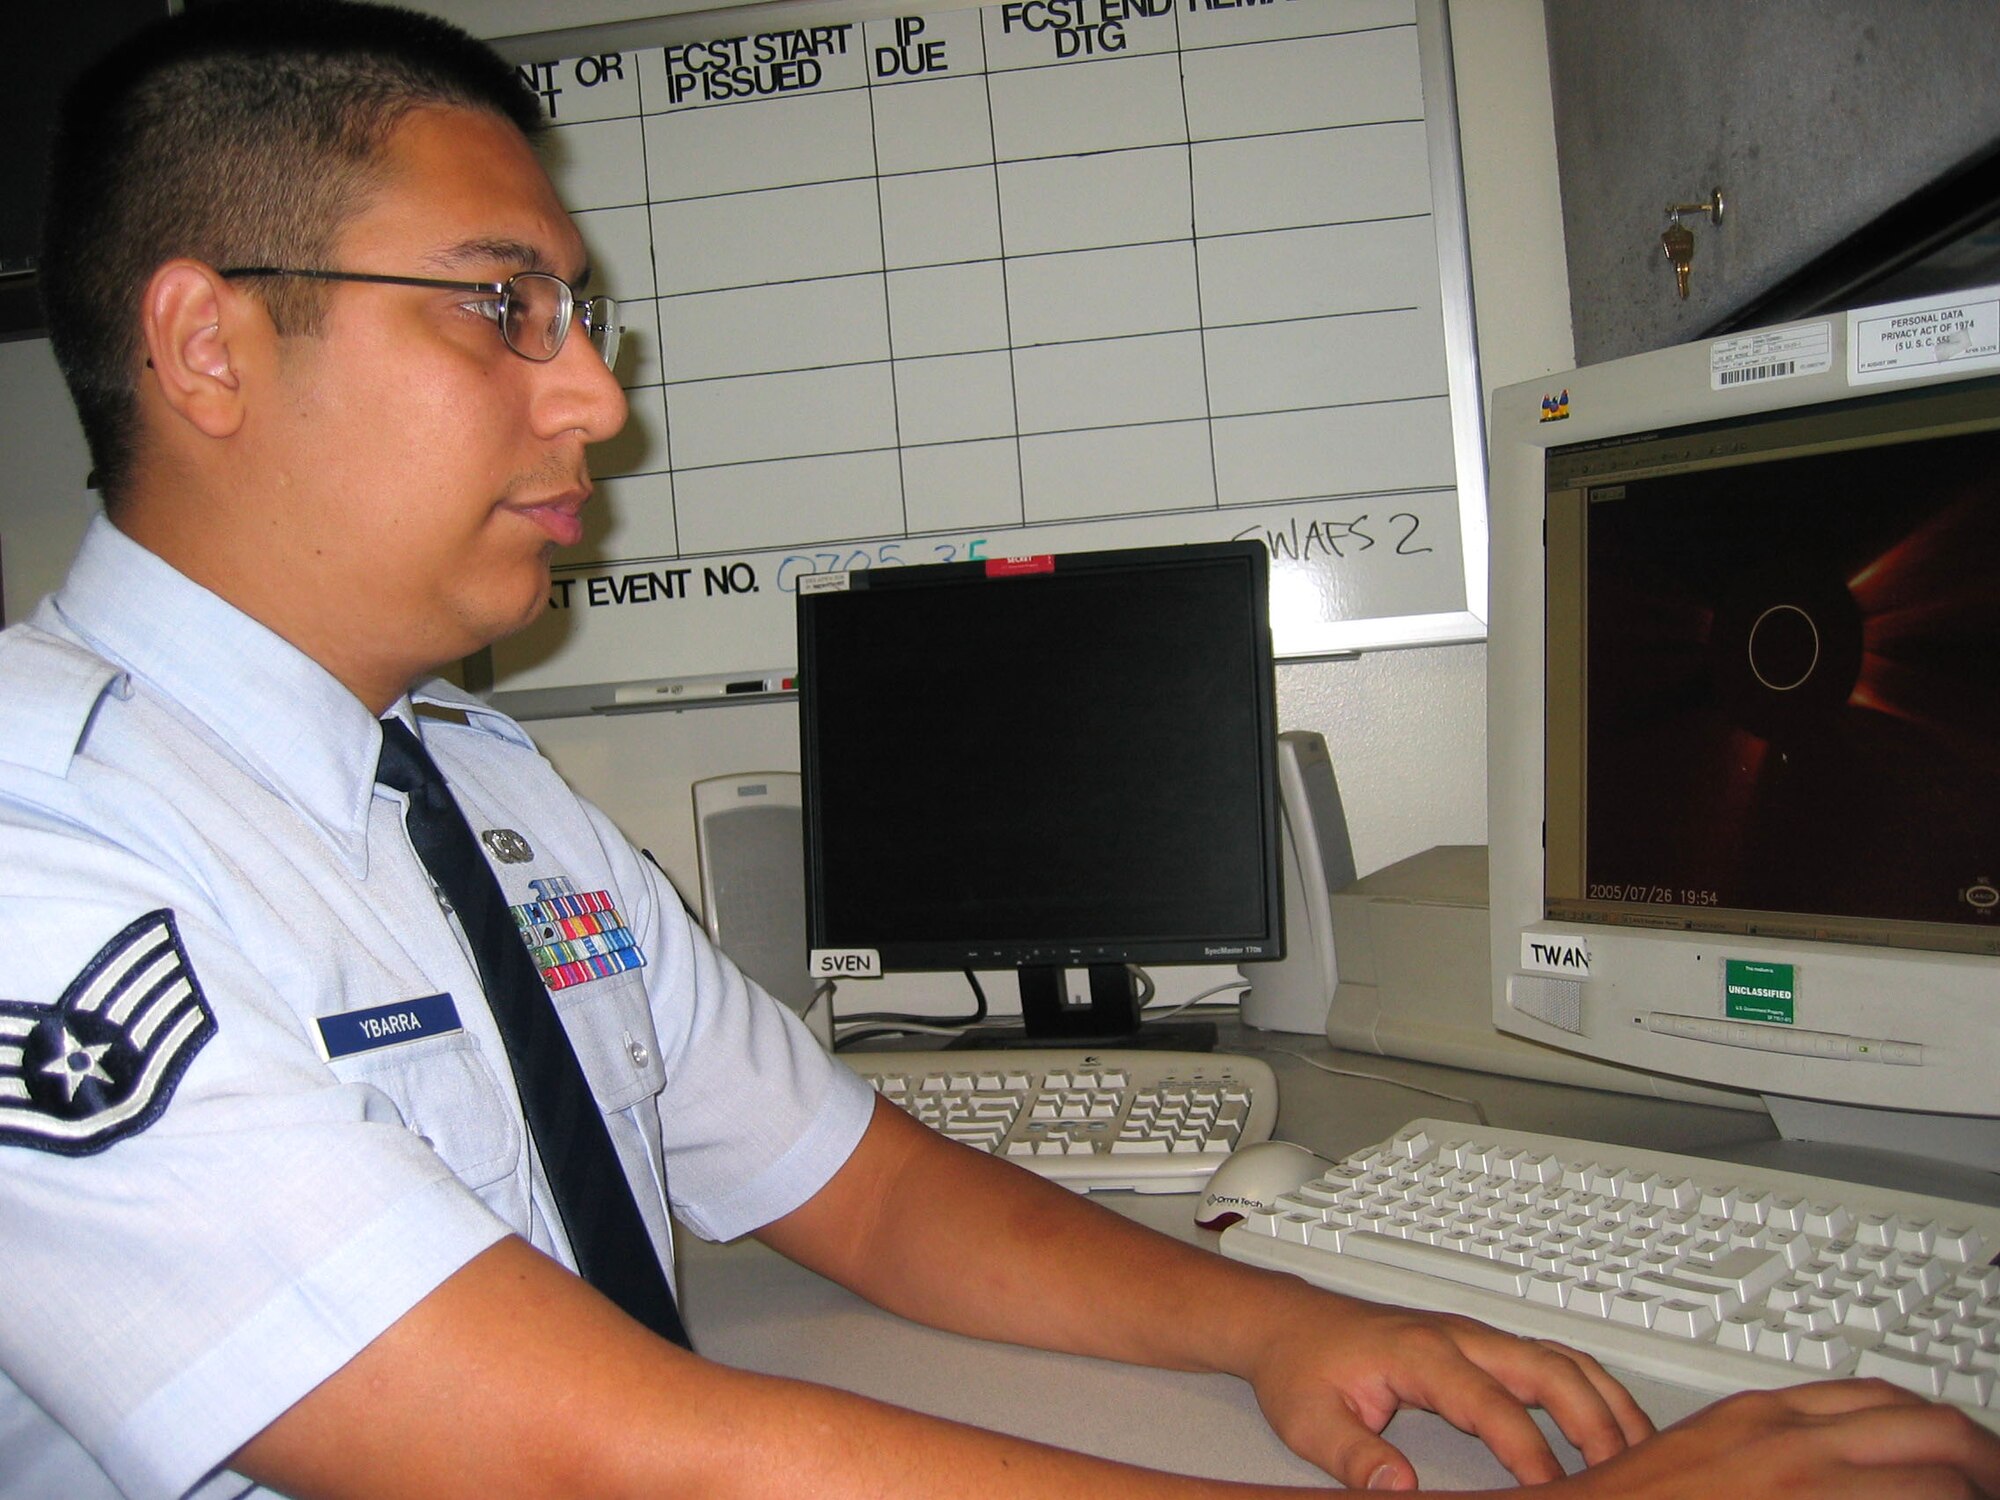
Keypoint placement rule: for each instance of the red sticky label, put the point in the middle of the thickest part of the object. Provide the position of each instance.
(1014, 567)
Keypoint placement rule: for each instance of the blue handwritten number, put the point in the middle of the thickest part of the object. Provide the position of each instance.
(886, 555)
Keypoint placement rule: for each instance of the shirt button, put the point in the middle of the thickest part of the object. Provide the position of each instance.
(637, 1048)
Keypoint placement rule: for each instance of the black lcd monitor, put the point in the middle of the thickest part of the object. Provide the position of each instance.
(1056, 765)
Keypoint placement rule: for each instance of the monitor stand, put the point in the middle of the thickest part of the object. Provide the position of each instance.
(1109, 1019)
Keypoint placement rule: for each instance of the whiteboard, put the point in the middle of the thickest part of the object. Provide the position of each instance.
(1038, 277)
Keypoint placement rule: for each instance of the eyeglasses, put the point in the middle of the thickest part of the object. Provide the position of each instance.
(533, 308)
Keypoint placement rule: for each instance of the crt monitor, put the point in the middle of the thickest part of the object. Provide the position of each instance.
(1744, 727)
(1061, 766)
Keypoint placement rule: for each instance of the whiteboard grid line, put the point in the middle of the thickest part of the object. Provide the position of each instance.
(1046, 432)
(668, 383)
(998, 161)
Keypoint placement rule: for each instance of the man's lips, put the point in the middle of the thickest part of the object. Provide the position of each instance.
(560, 516)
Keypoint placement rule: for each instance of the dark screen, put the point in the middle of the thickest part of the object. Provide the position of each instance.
(1077, 760)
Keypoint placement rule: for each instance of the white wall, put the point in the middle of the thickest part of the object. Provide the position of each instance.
(1407, 728)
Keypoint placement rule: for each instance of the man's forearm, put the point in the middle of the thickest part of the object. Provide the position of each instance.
(515, 1378)
(956, 1239)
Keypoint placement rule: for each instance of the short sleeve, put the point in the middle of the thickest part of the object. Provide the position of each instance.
(178, 1283)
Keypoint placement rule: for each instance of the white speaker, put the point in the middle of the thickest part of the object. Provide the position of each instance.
(1295, 992)
(750, 845)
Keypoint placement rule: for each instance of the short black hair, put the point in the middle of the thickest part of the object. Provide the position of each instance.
(246, 132)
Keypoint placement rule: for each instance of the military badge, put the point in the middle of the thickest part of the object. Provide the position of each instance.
(102, 1061)
(575, 936)
(507, 846)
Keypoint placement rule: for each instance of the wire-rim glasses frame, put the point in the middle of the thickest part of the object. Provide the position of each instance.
(522, 300)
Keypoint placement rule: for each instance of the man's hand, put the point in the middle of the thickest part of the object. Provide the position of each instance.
(1345, 1367)
(1834, 1440)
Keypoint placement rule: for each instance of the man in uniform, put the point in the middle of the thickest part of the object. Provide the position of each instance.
(281, 1195)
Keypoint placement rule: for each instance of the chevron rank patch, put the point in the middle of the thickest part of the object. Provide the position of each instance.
(103, 1060)
(575, 936)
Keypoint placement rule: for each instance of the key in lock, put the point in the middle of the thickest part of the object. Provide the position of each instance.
(1678, 244)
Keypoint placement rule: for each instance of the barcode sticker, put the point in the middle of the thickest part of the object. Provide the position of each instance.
(1770, 354)
(1772, 371)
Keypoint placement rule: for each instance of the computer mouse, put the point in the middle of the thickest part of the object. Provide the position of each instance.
(1252, 1177)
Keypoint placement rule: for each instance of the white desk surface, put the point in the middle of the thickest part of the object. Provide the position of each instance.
(749, 1307)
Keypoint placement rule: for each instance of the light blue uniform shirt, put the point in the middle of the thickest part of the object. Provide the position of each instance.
(252, 1104)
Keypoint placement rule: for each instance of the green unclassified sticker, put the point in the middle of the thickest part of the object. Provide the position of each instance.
(1758, 992)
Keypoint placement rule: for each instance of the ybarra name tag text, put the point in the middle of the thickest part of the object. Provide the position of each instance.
(386, 1025)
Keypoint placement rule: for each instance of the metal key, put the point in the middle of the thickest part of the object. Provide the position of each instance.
(1678, 243)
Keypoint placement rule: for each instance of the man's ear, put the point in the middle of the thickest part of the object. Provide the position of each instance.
(195, 327)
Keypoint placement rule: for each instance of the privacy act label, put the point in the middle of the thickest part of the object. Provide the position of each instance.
(1903, 339)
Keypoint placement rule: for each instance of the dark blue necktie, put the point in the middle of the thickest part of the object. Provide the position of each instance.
(613, 1251)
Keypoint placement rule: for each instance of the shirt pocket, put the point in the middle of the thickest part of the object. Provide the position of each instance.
(610, 1026)
(445, 1091)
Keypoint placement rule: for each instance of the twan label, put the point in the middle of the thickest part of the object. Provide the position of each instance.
(1550, 953)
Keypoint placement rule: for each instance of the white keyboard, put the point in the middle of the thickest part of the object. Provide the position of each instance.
(1693, 1271)
(1155, 1122)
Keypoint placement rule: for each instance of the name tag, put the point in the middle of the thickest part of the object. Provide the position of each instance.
(386, 1025)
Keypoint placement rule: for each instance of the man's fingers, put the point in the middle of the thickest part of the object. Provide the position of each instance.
(1363, 1461)
(1891, 1428)
(1342, 1440)
(1622, 1424)
(1484, 1382)
(1829, 1440)
(1592, 1410)
(1466, 1394)
(1826, 1398)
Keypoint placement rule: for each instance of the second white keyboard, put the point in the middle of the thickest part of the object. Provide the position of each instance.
(1154, 1122)
(1693, 1271)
